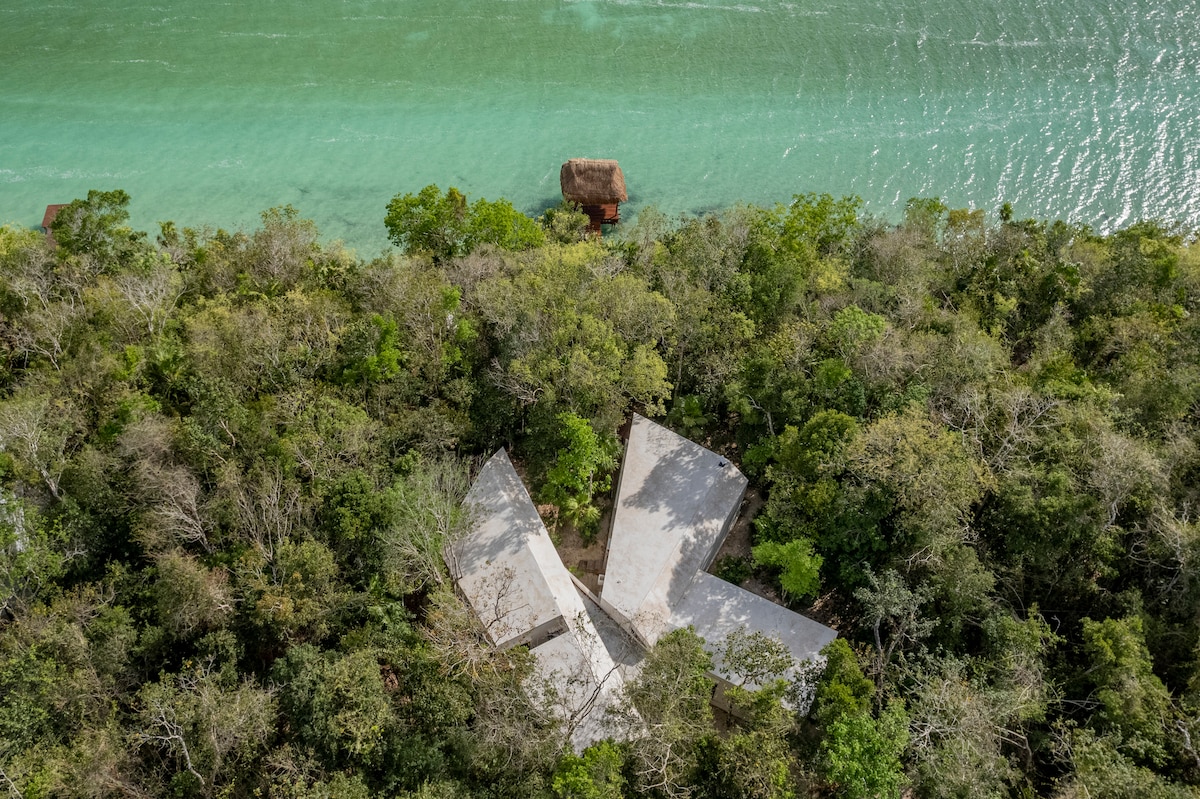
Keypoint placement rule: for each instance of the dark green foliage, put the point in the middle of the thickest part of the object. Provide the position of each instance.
(733, 569)
(372, 354)
(96, 227)
(1135, 705)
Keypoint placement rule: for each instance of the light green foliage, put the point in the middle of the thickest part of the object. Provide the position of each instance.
(576, 335)
(860, 754)
(802, 477)
(565, 223)
(31, 557)
(37, 430)
(819, 222)
(925, 215)
(497, 222)
(596, 774)
(27, 275)
(771, 386)
(1135, 704)
(582, 468)
(696, 268)
(428, 222)
(441, 789)
(324, 435)
(17, 244)
(968, 716)
(965, 727)
(963, 588)
(338, 786)
(923, 469)
(843, 688)
(280, 254)
(29, 681)
(853, 329)
(427, 514)
(352, 517)
(444, 226)
(800, 575)
(1018, 655)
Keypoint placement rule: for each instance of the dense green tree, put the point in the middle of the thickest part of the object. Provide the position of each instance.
(582, 468)
(95, 227)
(1134, 703)
(843, 688)
(596, 774)
(428, 221)
(444, 225)
(860, 753)
(799, 566)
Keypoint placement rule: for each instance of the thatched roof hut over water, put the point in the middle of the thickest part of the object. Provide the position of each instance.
(592, 181)
(598, 185)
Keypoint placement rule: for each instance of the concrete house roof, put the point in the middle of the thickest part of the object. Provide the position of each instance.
(715, 608)
(511, 575)
(676, 502)
(507, 568)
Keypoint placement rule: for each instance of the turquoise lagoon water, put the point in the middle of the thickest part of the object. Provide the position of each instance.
(208, 112)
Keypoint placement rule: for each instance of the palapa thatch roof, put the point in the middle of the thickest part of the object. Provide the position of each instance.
(590, 181)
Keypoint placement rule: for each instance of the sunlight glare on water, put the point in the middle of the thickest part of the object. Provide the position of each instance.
(208, 112)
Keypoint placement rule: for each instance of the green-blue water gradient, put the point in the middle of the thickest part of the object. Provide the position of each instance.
(208, 112)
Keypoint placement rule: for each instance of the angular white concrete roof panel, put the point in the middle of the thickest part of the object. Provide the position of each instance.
(579, 681)
(716, 608)
(507, 567)
(675, 503)
(511, 575)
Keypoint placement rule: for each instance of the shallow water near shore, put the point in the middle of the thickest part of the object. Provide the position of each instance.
(208, 112)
